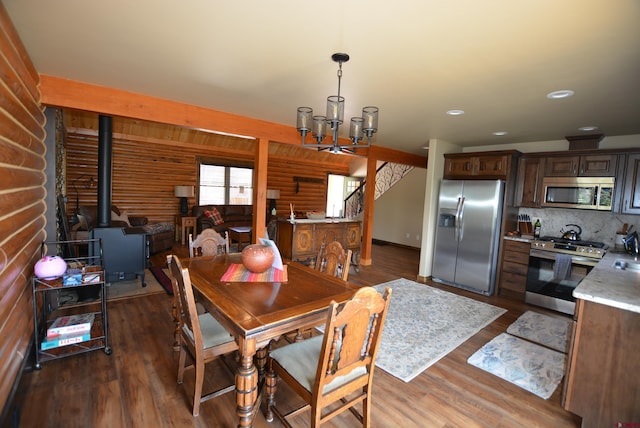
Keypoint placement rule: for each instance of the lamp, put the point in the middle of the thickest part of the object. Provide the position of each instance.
(184, 192)
(272, 195)
(367, 125)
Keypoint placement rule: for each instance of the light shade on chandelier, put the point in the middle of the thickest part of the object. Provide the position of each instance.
(359, 129)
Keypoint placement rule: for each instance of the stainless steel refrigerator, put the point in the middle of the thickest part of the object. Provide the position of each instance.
(468, 234)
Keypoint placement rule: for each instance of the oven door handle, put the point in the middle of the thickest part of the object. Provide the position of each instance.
(576, 260)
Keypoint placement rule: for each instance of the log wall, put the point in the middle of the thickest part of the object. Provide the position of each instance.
(145, 173)
(22, 206)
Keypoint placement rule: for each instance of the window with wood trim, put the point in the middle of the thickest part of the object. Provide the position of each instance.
(225, 185)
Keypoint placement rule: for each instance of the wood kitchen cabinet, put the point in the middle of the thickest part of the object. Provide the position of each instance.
(581, 166)
(631, 196)
(492, 165)
(529, 182)
(601, 384)
(514, 267)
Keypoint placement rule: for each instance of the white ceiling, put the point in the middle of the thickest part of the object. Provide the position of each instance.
(494, 59)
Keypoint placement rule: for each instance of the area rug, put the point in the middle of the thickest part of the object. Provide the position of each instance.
(532, 367)
(133, 288)
(161, 275)
(424, 324)
(547, 330)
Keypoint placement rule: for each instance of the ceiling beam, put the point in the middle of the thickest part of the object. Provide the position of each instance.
(65, 93)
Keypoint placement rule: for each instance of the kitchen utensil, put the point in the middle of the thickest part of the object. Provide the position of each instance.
(631, 243)
(571, 234)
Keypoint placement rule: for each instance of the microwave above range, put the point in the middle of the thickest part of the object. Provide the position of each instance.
(589, 193)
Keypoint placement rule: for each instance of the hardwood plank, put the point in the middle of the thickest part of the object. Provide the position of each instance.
(137, 384)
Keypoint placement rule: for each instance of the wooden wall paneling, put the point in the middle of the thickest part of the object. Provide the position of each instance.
(144, 174)
(310, 196)
(22, 201)
(11, 47)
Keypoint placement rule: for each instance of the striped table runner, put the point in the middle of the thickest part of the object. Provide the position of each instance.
(238, 273)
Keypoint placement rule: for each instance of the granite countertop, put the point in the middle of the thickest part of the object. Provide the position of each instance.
(610, 286)
(517, 238)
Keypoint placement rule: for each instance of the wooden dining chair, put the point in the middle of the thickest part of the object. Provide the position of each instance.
(208, 243)
(336, 367)
(334, 260)
(200, 335)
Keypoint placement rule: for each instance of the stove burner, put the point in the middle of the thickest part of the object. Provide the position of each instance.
(591, 244)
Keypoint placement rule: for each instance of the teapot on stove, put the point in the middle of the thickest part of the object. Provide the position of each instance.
(572, 235)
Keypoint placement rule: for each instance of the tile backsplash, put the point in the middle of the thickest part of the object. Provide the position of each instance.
(596, 226)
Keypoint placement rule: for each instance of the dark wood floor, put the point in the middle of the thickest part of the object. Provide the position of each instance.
(136, 385)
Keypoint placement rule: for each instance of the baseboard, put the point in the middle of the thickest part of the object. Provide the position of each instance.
(395, 244)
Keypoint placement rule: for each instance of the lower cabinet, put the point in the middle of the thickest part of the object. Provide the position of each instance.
(601, 384)
(301, 240)
(514, 267)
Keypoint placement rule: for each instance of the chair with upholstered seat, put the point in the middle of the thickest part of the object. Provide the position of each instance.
(336, 367)
(334, 260)
(208, 243)
(201, 335)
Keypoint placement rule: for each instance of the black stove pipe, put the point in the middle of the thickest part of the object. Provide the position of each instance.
(105, 151)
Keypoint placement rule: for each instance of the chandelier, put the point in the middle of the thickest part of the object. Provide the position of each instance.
(360, 127)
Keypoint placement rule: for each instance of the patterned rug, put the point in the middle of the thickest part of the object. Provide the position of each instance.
(161, 274)
(424, 324)
(547, 330)
(532, 367)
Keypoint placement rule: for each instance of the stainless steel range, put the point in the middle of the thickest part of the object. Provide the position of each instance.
(556, 267)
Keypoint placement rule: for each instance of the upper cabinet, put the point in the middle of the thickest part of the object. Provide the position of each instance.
(631, 197)
(581, 166)
(529, 182)
(493, 165)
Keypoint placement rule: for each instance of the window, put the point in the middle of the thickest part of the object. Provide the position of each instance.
(339, 187)
(225, 185)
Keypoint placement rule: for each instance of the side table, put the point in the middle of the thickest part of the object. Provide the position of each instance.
(185, 224)
(240, 234)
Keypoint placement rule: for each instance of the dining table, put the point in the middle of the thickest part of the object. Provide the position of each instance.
(255, 313)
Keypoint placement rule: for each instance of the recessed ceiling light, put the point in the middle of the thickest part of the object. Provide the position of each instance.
(425, 147)
(557, 95)
(587, 128)
(500, 133)
(455, 112)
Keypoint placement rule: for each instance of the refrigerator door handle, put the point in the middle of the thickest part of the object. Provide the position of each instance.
(460, 219)
(456, 229)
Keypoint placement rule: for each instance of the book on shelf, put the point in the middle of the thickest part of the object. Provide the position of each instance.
(91, 278)
(64, 340)
(71, 324)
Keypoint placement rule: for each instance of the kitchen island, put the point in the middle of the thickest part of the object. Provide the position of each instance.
(602, 384)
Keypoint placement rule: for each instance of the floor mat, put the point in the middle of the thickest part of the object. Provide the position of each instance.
(532, 367)
(547, 330)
